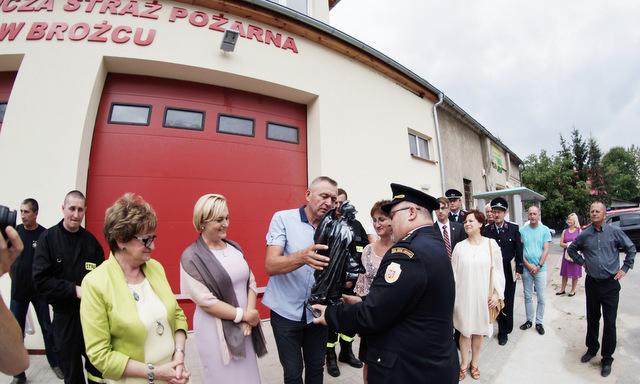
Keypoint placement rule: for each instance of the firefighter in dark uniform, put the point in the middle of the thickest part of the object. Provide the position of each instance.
(456, 214)
(66, 253)
(333, 337)
(507, 235)
(408, 314)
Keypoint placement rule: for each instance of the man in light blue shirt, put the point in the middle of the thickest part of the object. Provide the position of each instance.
(290, 262)
(536, 239)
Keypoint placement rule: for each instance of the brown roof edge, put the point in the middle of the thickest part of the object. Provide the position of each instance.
(313, 30)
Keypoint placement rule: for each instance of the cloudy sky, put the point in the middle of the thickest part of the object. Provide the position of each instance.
(528, 71)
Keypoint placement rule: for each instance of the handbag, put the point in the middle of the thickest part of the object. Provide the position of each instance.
(493, 312)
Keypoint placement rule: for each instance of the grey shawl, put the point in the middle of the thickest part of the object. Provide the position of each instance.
(200, 264)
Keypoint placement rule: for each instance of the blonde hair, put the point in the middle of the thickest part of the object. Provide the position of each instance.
(574, 217)
(208, 208)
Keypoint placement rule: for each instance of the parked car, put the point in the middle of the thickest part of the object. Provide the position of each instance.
(629, 222)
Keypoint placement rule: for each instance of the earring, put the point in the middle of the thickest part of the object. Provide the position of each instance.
(202, 227)
(124, 249)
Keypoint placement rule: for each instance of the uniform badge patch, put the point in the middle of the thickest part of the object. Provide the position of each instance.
(402, 250)
(89, 266)
(392, 273)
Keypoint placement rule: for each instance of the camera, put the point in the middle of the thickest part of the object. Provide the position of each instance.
(7, 218)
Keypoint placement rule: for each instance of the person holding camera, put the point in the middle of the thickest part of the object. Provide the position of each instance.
(13, 355)
(23, 291)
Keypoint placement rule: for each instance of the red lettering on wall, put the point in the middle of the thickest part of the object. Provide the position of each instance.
(137, 38)
(178, 13)
(131, 8)
(79, 31)
(238, 27)
(101, 29)
(92, 3)
(151, 9)
(11, 30)
(58, 30)
(37, 31)
(290, 44)
(72, 5)
(253, 31)
(27, 7)
(218, 22)
(111, 6)
(7, 6)
(199, 19)
(270, 38)
(115, 35)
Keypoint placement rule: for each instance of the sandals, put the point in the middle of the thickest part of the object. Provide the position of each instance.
(463, 373)
(475, 373)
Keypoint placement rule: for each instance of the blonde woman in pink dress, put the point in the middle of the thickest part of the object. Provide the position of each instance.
(216, 276)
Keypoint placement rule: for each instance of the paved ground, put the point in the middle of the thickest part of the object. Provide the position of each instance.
(527, 357)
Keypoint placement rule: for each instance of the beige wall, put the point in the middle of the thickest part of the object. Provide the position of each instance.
(467, 154)
(357, 118)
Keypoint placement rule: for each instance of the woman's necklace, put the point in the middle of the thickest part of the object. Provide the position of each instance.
(132, 288)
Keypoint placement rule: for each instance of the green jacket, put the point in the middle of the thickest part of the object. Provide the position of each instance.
(113, 332)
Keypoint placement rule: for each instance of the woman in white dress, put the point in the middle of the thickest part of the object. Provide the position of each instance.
(471, 261)
(216, 276)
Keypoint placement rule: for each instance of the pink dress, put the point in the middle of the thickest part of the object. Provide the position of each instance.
(568, 269)
(217, 365)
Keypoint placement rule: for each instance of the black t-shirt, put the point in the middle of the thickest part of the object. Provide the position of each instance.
(22, 287)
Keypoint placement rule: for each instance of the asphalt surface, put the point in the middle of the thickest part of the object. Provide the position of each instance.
(527, 358)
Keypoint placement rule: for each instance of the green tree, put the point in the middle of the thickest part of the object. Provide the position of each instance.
(555, 179)
(620, 168)
(596, 178)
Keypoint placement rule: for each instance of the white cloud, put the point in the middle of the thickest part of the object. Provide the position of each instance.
(526, 70)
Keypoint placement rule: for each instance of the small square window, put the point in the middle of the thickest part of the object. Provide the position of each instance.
(236, 125)
(130, 114)
(419, 146)
(183, 118)
(3, 109)
(284, 133)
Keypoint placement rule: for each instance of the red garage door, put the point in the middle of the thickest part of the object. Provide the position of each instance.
(6, 83)
(174, 141)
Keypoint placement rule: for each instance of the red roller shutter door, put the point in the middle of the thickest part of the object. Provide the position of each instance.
(171, 168)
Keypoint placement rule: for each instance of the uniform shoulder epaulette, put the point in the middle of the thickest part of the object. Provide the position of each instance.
(512, 223)
(402, 250)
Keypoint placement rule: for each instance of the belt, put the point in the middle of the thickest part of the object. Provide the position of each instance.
(611, 278)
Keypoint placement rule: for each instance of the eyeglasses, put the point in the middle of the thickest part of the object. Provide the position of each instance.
(380, 220)
(147, 241)
(392, 213)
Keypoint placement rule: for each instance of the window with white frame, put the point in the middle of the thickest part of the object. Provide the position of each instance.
(301, 6)
(420, 145)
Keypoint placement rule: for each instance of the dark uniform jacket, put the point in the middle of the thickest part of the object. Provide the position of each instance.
(510, 244)
(22, 287)
(408, 315)
(457, 233)
(460, 216)
(61, 261)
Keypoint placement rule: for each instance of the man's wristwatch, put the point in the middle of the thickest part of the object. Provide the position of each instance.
(150, 366)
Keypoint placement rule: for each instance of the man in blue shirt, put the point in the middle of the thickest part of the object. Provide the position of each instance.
(290, 262)
(536, 239)
(600, 245)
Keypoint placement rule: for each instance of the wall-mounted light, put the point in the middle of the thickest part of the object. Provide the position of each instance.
(229, 40)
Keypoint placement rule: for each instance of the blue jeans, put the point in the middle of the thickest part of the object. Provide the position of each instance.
(540, 281)
(298, 341)
(19, 309)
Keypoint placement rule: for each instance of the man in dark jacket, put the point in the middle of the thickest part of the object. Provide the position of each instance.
(65, 254)
(24, 292)
(507, 235)
(408, 314)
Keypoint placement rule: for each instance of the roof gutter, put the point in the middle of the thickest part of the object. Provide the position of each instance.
(435, 118)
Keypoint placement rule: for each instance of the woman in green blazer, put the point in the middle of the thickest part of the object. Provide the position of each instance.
(134, 330)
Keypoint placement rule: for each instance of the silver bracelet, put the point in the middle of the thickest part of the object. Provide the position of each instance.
(239, 313)
(150, 366)
(181, 351)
